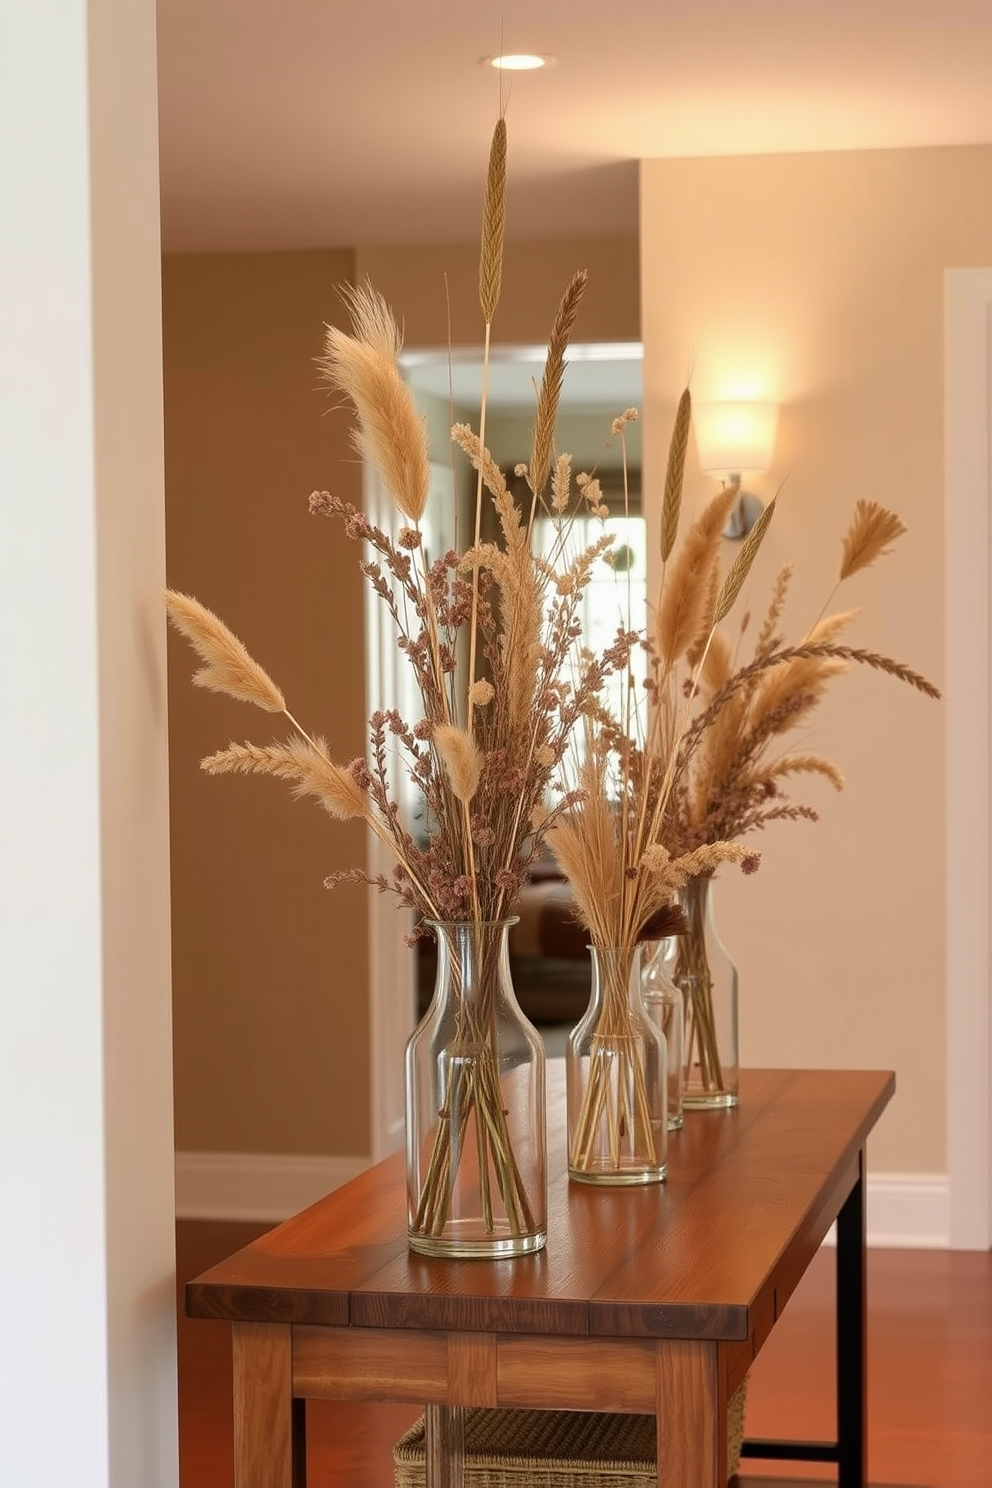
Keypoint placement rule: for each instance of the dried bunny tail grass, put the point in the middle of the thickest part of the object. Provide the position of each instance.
(769, 626)
(227, 665)
(493, 225)
(675, 475)
(680, 610)
(461, 757)
(305, 764)
(391, 433)
(549, 395)
(831, 626)
(872, 531)
(807, 764)
(734, 581)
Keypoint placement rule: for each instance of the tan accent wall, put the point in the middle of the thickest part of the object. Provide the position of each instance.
(270, 970)
(821, 277)
(421, 280)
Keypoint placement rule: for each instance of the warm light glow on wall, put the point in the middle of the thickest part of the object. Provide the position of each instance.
(735, 438)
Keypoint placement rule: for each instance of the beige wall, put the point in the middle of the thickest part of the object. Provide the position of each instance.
(419, 281)
(270, 970)
(821, 277)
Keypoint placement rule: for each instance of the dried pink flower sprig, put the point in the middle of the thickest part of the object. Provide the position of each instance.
(482, 790)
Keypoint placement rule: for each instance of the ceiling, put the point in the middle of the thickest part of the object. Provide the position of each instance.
(335, 123)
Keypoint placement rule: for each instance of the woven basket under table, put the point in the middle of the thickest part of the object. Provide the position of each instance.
(557, 1449)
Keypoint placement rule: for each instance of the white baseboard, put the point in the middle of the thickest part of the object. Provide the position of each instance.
(256, 1186)
(907, 1211)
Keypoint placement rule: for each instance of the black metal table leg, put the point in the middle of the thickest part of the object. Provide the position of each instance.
(852, 1328)
(850, 1450)
(299, 1440)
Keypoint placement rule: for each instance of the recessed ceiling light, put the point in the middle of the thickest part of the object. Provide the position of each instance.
(519, 61)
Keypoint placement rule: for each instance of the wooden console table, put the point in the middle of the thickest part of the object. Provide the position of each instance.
(653, 1300)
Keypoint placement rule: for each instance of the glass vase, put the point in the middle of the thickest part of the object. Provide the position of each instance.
(700, 966)
(664, 1005)
(476, 1140)
(616, 1079)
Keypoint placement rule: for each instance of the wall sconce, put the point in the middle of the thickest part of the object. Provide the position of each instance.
(734, 440)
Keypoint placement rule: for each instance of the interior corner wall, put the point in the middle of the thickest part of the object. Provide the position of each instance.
(271, 1001)
(817, 280)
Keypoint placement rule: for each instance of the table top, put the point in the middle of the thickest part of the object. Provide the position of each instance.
(750, 1195)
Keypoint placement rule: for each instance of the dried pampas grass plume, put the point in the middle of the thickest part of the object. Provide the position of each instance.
(392, 433)
(305, 764)
(227, 665)
(683, 597)
(461, 758)
(831, 626)
(871, 534)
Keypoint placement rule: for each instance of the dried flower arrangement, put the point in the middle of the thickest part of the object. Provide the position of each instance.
(733, 765)
(614, 844)
(492, 733)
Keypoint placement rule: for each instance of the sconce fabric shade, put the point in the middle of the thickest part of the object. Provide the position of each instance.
(735, 438)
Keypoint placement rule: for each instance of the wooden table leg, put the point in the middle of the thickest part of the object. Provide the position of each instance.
(692, 1416)
(444, 1446)
(269, 1445)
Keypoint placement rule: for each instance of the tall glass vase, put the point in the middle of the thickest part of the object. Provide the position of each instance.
(616, 1079)
(700, 965)
(476, 1140)
(665, 1006)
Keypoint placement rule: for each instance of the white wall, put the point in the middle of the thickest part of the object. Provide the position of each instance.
(87, 1338)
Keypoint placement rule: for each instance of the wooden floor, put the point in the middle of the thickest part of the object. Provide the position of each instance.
(930, 1379)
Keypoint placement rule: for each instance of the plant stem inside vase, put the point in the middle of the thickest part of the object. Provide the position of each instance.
(710, 993)
(617, 1081)
(475, 1107)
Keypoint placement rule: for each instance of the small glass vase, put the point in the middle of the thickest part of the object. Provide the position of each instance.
(476, 1141)
(698, 963)
(616, 1079)
(664, 1005)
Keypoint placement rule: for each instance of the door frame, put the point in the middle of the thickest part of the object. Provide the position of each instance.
(967, 492)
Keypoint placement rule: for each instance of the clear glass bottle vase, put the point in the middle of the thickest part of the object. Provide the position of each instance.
(476, 1141)
(616, 1079)
(664, 1005)
(699, 964)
